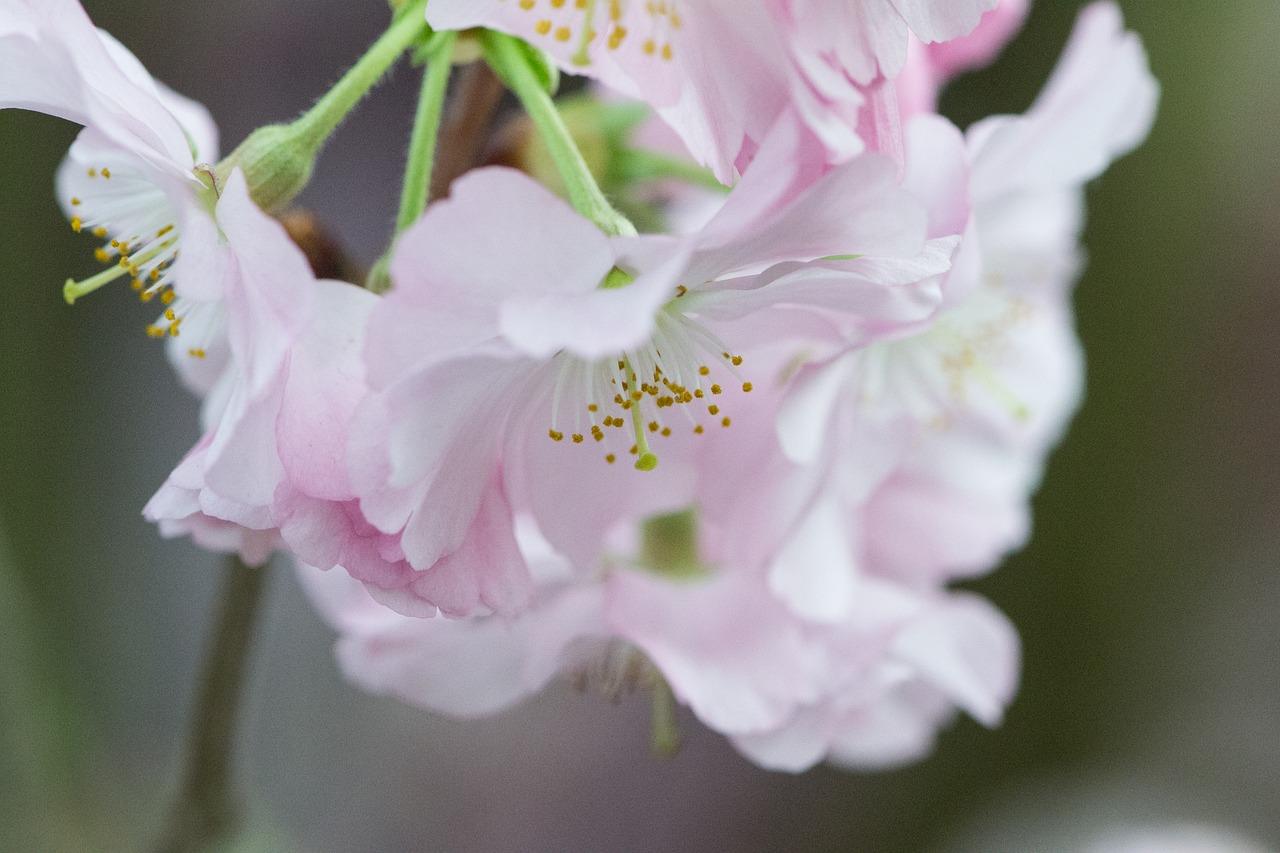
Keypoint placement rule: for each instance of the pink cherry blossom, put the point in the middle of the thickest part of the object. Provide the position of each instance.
(974, 402)
(499, 354)
(868, 692)
(221, 493)
(133, 177)
(721, 72)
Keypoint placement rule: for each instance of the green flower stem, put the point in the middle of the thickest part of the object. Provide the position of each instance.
(639, 164)
(511, 60)
(206, 810)
(426, 130)
(322, 119)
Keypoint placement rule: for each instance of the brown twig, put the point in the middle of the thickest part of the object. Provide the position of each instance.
(206, 810)
(465, 130)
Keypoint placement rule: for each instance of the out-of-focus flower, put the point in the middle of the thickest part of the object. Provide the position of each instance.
(506, 345)
(868, 692)
(721, 72)
(975, 401)
(135, 176)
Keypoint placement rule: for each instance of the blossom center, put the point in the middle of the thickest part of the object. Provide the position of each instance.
(680, 373)
(126, 210)
(646, 27)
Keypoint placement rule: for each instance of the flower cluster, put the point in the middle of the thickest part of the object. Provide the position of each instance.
(736, 464)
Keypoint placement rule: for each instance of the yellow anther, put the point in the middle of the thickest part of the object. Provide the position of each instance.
(697, 430)
(136, 284)
(593, 408)
(75, 202)
(555, 436)
(737, 360)
(155, 331)
(649, 47)
(611, 459)
(100, 233)
(666, 431)
(167, 297)
(563, 34)
(666, 51)
(106, 173)
(93, 173)
(726, 422)
(713, 410)
(746, 387)
(704, 371)
(169, 314)
(542, 27)
(165, 230)
(653, 426)
(577, 438)
(698, 393)
(527, 4)
(76, 224)
(196, 353)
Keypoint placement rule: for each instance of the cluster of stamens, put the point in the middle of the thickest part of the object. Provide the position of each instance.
(566, 20)
(140, 244)
(643, 394)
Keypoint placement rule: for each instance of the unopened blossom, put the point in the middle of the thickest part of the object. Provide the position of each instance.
(968, 409)
(721, 72)
(507, 344)
(135, 177)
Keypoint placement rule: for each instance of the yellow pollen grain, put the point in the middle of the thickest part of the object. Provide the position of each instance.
(563, 34)
(697, 430)
(616, 37)
(649, 47)
(75, 202)
(93, 173)
(542, 27)
(726, 422)
(746, 387)
(196, 353)
(653, 426)
(634, 450)
(106, 173)
(611, 459)
(666, 431)
(666, 52)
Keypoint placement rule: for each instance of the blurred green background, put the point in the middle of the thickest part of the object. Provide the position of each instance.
(1148, 600)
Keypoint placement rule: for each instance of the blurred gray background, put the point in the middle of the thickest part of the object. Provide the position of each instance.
(1148, 601)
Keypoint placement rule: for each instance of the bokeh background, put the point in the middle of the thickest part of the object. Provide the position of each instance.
(1148, 601)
